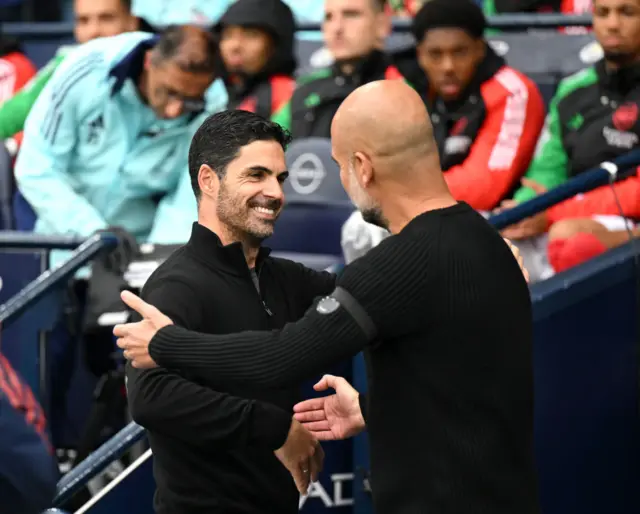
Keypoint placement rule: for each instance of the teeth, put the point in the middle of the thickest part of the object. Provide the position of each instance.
(264, 210)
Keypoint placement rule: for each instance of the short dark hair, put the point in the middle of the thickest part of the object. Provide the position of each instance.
(194, 49)
(459, 14)
(126, 4)
(220, 138)
(379, 4)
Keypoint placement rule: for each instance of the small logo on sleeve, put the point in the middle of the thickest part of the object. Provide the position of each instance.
(328, 305)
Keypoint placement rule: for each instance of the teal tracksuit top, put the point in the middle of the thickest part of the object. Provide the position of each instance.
(95, 155)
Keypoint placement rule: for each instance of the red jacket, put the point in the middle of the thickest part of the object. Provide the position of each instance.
(15, 71)
(486, 143)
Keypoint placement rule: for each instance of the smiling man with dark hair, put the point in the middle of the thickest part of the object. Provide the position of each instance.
(221, 449)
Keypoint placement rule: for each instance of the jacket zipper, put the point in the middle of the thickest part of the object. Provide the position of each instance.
(264, 305)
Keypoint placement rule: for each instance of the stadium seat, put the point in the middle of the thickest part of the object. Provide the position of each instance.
(6, 189)
(547, 84)
(23, 214)
(317, 206)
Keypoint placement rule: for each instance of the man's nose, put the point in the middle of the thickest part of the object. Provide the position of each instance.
(447, 64)
(612, 22)
(273, 189)
(174, 108)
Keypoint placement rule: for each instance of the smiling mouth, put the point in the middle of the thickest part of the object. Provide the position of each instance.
(265, 211)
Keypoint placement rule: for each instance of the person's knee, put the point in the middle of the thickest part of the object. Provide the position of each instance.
(566, 229)
(567, 252)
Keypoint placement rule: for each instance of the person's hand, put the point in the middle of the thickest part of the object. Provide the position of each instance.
(528, 227)
(333, 417)
(505, 205)
(516, 254)
(302, 455)
(126, 249)
(134, 338)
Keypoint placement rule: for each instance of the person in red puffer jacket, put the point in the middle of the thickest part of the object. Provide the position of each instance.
(15, 68)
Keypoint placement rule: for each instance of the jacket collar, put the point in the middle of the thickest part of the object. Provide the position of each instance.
(622, 80)
(131, 65)
(230, 258)
(366, 68)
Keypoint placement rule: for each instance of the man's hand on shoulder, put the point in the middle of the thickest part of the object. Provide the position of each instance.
(302, 455)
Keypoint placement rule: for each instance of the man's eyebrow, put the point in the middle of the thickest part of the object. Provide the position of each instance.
(264, 169)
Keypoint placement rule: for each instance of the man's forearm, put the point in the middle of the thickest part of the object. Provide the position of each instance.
(171, 405)
(269, 359)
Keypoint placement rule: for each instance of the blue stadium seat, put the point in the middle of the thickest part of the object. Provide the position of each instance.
(23, 214)
(547, 83)
(316, 206)
(6, 189)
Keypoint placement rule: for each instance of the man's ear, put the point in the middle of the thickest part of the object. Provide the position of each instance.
(363, 168)
(208, 181)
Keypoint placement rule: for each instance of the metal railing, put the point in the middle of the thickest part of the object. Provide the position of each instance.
(97, 462)
(47, 31)
(617, 169)
(85, 250)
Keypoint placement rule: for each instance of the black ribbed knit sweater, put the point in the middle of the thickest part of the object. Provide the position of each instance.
(450, 403)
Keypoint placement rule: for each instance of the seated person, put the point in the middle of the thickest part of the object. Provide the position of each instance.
(486, 116)
(257, 49)
(105, 144)
(354, 32)
(28, 467)
(93, 19)
(593, 118)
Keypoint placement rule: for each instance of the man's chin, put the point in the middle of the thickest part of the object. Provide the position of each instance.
(619, 57)
(374, 216)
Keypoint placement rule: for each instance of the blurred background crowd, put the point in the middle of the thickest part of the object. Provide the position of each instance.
(96, 131)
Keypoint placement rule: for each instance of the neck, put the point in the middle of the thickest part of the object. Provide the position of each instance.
(613, 65)
(229, 236)
(401, 205)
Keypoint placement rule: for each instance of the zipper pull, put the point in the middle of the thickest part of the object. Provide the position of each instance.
(267, 309)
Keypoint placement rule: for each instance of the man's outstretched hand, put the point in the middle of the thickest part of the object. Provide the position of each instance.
(302, 455)
(333, 417)
(134, 338)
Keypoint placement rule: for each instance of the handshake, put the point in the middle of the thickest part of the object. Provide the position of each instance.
(330, 418)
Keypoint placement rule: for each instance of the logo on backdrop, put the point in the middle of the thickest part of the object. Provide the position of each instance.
(306, 174)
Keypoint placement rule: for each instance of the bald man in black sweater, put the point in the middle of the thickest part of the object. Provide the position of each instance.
(441, 309)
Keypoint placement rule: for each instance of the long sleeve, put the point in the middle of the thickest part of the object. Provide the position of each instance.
(50, 138)
(163, 401)
(14, 112)
(549, 165)
(327, 334)
(310, 284)
(502, 150)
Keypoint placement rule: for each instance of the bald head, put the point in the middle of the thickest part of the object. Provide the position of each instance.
(385, 119)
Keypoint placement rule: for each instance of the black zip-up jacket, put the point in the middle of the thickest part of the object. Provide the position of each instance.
(443, 314)
(319, 94)
(214, 446)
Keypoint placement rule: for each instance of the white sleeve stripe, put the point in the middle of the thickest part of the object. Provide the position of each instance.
(506, 147)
